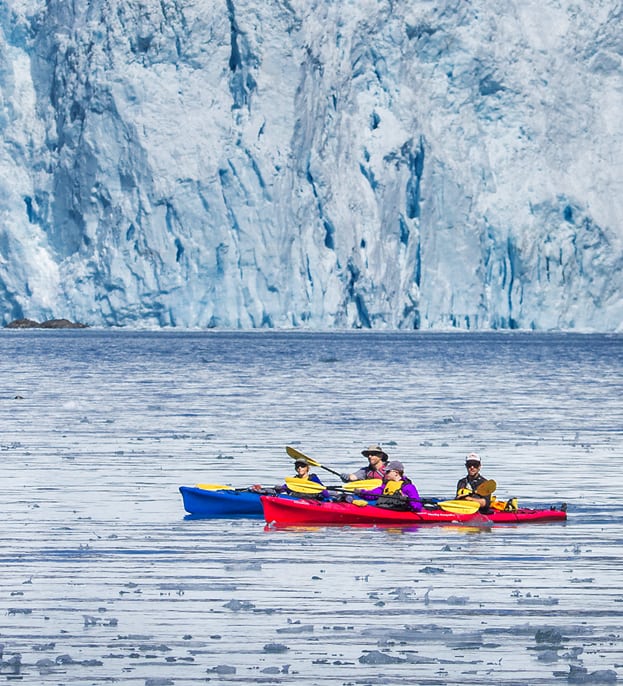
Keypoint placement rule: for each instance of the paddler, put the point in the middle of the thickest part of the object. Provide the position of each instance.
(466, 487)
(396, 492)
(375, 469)
(301, 471)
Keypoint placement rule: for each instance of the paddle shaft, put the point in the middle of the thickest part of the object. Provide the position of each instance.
(298, 455)
(456, 506)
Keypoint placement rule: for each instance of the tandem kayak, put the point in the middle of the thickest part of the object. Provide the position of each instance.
(202, 502)
(282, 512)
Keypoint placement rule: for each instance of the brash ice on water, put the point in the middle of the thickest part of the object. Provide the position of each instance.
(104, 579)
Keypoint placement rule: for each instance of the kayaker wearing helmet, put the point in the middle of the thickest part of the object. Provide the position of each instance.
(396, 492)
(375, 469)
(466, 487)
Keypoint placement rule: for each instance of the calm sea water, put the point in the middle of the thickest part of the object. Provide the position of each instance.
(105, 581)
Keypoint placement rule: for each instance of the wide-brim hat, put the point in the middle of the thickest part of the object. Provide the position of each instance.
(473, 457)
(375, 450)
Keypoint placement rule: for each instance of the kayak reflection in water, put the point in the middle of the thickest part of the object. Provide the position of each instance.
(376, 467)
(467, 487)
(396, 492)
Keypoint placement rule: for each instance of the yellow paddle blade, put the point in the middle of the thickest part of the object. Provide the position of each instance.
(214, 487)
(303, 485)
(298, 455)
(459, 506)
(307, 486)
(362, 484)
(486, 488)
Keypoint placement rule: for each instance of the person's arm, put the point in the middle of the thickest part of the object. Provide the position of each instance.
(370, 494)
(411, 492)
(355, 476)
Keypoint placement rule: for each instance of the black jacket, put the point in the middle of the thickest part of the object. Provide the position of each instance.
(472, 485)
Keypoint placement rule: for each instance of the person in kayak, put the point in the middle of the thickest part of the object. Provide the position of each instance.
(396, 492)
(375, 469)
(301, 471)
(466, 487)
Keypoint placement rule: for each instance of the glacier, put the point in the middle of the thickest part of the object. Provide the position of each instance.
(322, 164)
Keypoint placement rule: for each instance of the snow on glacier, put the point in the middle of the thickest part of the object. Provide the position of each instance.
(384, 164)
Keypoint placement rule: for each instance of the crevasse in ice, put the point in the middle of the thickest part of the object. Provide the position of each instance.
(246, 163)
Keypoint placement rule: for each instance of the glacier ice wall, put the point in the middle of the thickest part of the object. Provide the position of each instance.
(312, 163)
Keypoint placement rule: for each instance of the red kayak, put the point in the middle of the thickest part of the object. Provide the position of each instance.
(282, 512)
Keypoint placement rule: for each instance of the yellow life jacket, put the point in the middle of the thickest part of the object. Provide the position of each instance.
(392, 486)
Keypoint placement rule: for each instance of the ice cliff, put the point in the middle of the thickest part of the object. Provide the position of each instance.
(312, 163)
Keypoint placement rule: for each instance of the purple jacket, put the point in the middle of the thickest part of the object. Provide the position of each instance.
(407, 489)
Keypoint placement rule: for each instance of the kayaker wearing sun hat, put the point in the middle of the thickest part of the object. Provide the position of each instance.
(396, 492)
(375, 469)
(466, 487)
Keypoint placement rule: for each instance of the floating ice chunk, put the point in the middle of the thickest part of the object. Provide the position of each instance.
(376, 657)
(275, 648)
(581, 675)
(548, 635)
(222, 669)
(237, 605)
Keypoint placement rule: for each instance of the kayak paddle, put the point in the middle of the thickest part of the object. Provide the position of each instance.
(220, 487)
(456, 506)
(315, 487)
(459, 506)
(486, 488)
(215, 487)
(298, 455)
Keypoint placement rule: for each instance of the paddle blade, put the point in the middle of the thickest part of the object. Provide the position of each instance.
(303, 485)
(298, 455)
(215, 487)
(459, 506)
(486, 488)
(362, 484)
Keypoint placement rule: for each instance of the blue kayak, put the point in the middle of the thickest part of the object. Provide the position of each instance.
(202, 502)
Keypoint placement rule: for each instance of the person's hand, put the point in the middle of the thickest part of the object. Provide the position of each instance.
(256, 488)
(345, 477)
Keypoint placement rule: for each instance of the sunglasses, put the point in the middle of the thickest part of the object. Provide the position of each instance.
(472, 464)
